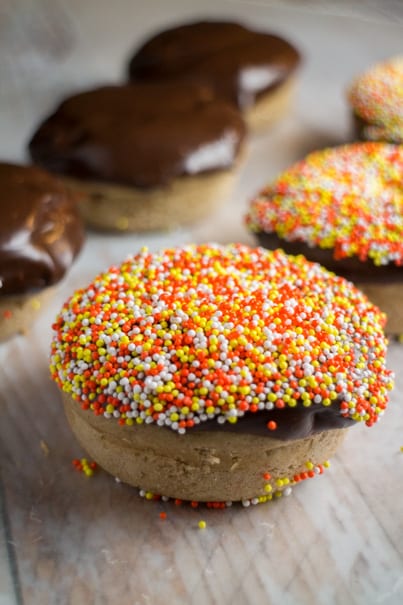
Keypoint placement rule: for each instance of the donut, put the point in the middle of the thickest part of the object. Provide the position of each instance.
(376, 98)
(342, 207)
(145, 157)
(253, 70)
(41, 233)
(211, 373)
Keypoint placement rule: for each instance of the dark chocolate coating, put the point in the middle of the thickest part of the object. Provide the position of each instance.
(41, 230)
(292, 423)
(142, 135)
(362, 128)
(239, 63)
(350, 268)
(359, 126)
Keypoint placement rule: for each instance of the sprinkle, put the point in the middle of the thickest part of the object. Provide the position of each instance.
(377, 97)
(163, 515)
(401, 448)
(7, 314)
(193, 334)
(271, 425)
(84, 466)
(348, 199)
(202, 525)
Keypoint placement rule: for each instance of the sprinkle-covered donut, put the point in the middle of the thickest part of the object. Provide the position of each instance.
(376, 97)
(342, 207)
(209, 337)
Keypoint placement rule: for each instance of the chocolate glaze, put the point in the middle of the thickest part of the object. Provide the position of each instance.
(372, 131)
(142, 135)
(239, 63)
(351, 268)
(359, 126)
(292, 423)
(40, 229)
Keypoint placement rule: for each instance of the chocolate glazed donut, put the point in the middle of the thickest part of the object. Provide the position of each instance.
(41, 233)
(146, 156)
(253, 70)
(221, 54)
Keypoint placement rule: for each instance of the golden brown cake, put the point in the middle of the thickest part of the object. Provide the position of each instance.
(218, 373)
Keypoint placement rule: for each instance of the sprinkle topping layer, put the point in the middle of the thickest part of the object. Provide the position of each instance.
(348, 198)
(377, 97)
(216, 332)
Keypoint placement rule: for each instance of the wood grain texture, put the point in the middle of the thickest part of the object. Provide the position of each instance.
(73, 540)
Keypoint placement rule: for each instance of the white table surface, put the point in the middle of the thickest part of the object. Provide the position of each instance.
(67, 539)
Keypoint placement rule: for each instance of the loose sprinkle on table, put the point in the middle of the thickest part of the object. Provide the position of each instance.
(213, 332)
(84, 466)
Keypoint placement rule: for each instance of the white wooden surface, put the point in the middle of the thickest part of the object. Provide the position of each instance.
(66, 539)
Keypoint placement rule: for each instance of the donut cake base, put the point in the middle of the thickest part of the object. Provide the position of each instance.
(185, 200)
(203, 467)
(270, 107)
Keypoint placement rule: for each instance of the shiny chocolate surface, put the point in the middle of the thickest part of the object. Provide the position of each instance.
(239, 63)
(143, 135)
(40, 229)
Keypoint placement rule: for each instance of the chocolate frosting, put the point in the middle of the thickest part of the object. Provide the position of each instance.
(40, 230)
(143, 135)
(292, 423)
(350, 268)
(371, 131)
(359, 127)
(239, 63)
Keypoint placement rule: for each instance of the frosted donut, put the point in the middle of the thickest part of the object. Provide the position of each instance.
(218, 373)
(41, 234)
(143, 157)
(253, 70)
(342, 207)
(376, 98)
